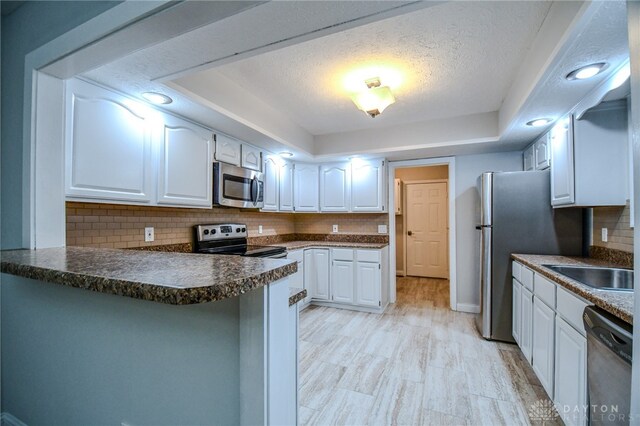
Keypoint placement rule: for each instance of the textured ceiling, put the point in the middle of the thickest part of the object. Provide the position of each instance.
(454, 59)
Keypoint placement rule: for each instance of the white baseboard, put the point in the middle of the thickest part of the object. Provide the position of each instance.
(468, 307)
(7, 419)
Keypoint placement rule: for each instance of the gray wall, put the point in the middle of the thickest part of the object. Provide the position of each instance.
(78, 357)
(468, 168)
(30, 26)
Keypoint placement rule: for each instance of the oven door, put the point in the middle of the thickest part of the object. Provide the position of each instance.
(237, 187)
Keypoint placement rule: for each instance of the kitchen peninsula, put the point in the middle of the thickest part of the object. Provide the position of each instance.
(193, 349)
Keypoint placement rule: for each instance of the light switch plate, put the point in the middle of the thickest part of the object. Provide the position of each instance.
(149, 234)
(335, 228)
(382, 229)
(259, 229)
(605, 235)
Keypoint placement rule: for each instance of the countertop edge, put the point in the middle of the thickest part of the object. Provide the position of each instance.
(146, 291)
(578, 288)
(298, 245)
(296, 295)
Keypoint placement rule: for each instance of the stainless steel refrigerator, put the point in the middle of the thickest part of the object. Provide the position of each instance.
(515, 216)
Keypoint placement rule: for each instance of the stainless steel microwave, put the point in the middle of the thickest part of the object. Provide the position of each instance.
(237, 187)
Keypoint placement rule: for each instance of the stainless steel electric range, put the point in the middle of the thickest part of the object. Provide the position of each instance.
(231, 238)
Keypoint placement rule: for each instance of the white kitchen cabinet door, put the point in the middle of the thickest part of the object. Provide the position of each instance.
(570, 388)
(228, 150)
(562, 166)
(251, 157)
(526, 322)
(542, 154)
(397, 196)
(342, 277)
(285, 184)
(335, 187)
(316, 273)
(517, 311)
(184, 166)
(271, 184)
(306, 188)
(543, 344)
(367, 186)
(297, 280)
(108, 146)
(368, 276)
(528, 158)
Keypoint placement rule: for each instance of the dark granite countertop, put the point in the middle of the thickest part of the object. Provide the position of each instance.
(296, 295)
(296, 245)
(172, 278)
(618, 303)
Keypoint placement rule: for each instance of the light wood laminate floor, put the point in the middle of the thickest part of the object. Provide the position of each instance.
(418, 363)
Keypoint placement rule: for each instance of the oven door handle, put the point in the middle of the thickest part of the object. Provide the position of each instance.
(254, 190)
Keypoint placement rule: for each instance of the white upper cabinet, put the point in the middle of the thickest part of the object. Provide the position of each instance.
(367, 186)
(562, 174)
(590, 158)
(271, 183)
(108, 146)
(335, 187)
(285, 184)
(251, 157)
(542, 154)
(528, 158)
(228, 150)
(184, 167)
(305, 187)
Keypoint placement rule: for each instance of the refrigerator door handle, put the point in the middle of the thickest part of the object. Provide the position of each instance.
(485, 281)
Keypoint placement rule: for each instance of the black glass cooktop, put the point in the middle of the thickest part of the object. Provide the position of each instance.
(245, 250)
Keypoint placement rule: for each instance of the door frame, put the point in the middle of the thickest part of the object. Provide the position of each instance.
(441, 161)
(404, 216)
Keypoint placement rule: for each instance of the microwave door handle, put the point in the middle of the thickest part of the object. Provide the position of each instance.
(254, 190)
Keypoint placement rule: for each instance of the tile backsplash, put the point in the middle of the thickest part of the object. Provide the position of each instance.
(616, 220)
(122, 226)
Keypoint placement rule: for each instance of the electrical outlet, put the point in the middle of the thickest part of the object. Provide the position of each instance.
(605, 235)
(382, 229)
(149, 234)
(335, 228)
(259, 229)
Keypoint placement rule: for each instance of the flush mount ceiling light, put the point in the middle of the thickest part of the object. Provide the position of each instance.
(157, 98)
(286, 154)
(374, 99)
(539, 122)
(587, 71)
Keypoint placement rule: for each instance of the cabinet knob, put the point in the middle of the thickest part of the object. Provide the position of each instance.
(409, 233)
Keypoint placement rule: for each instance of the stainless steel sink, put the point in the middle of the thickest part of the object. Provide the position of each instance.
(598, 277)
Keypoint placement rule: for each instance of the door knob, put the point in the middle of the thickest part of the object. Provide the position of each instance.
(409, 233)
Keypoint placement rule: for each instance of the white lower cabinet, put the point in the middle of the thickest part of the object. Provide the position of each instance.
(526, 323)
(316, 273)
(368, 284)
(570, 390)
(516, 322)
(543, 343)
(342, 275)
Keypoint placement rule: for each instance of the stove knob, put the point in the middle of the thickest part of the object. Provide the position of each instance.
(244, 229)
(206, 232)
(237, 229)
(213, 231)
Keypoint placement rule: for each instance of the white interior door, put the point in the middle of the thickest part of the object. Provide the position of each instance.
(427, 230)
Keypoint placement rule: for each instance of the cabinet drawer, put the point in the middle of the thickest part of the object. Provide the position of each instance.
(545, 290)
(517, 269)
(342, 254)
(369, 255)
(297, 255)
(570, 307)
(527, 277)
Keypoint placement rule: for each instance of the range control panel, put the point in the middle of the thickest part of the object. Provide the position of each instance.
(221, 231)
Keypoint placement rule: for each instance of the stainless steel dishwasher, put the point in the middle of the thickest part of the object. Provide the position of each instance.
(609, 345)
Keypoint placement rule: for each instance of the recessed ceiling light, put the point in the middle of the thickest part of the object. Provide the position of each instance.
(286, 154)
(539, 122)
(587, 71)
(157, 98)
